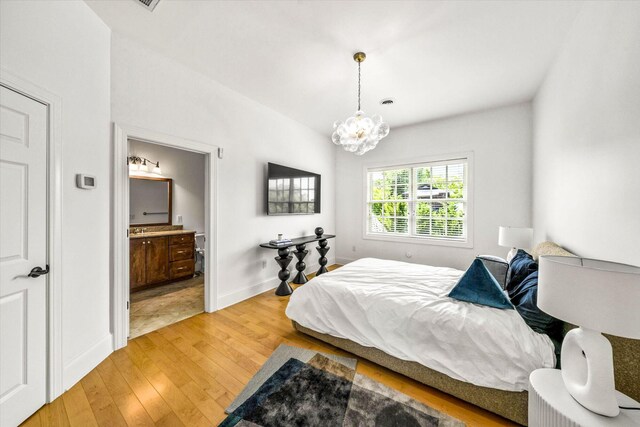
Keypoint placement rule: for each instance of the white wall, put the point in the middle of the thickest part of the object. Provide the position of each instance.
(587, 137)
(63, 47)
(153, 92)
(501, 142)
(187, 171)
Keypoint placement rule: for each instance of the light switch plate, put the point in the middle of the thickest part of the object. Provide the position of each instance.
(179, 219)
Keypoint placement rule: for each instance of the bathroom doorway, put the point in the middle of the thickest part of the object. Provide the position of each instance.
(166, 235)
(164, 204)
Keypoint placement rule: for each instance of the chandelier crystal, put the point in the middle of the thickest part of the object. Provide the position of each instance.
(359, 133)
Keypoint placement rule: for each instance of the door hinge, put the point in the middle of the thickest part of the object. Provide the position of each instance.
(127, 232)
(127, 305)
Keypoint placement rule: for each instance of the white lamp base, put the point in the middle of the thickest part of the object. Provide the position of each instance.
(511, 254)
(587, 371)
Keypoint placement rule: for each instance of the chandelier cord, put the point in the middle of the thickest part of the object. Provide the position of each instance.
(358, 86)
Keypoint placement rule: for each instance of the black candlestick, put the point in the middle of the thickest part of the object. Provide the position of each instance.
(283, 261)
(300, 253)
(322, 250)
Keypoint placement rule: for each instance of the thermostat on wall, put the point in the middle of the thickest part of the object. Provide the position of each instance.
(87, 182)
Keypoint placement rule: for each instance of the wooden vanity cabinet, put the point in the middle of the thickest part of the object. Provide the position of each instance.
(137, 263)
(156, 260)
(181, 256)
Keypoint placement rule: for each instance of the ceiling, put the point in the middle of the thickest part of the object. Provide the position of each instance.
(434, 58)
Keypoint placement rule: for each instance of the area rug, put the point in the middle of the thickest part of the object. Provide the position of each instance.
(298, 387)
(278, 358)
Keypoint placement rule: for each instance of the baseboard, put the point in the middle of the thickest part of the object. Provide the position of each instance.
(343, 261)
(75, 370)
(251, 291)
(246, 293)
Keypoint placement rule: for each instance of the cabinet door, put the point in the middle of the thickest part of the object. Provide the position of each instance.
(137, 263)
(157, 259)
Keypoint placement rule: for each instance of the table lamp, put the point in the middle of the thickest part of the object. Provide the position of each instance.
(514, 238)
(599, 297)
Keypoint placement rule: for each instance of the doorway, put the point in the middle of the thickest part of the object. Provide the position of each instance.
(164, 246)
(166, 236)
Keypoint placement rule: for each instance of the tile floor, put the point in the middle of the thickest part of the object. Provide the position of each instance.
(155, 308)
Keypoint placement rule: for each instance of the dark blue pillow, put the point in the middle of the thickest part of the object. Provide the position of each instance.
(521, 266)
(525, 298)
(477, 285)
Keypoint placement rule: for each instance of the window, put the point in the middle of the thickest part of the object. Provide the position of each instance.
(426, 201)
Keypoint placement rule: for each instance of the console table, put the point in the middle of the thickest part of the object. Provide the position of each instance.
(284, 259)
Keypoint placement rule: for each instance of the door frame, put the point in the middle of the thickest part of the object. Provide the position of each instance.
(120, 239)
(54, 223)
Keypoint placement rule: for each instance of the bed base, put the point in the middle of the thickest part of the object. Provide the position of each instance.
(509, 404)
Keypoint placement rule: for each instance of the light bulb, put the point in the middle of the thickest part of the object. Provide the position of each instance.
(143, 167)
(157, 169)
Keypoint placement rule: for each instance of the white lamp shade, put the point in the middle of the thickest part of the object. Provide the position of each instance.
(515, 237)
(599, 295)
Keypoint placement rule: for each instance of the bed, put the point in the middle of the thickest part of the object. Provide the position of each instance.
(398, 315)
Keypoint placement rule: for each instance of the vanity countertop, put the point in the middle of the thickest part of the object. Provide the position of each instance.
(160, 233)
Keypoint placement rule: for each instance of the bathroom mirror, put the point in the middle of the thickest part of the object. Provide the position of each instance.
(150, 200)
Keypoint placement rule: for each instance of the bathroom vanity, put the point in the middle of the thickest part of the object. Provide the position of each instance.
(159, 252)
(159, 257)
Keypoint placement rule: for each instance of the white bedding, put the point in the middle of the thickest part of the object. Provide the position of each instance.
(403, 309)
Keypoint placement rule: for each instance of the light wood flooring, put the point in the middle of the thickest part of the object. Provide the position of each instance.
(188, 372)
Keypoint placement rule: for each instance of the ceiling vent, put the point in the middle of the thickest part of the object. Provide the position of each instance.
(148, 4)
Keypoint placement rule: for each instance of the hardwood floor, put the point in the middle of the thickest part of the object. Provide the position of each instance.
(188, 372)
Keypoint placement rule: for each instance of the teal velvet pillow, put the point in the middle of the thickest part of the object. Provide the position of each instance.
(477, 285)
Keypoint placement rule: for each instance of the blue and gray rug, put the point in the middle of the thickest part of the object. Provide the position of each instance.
(298, 387)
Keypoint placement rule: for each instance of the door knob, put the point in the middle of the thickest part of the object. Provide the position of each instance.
(38, 271)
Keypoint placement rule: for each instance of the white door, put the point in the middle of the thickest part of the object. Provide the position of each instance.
(23, 247)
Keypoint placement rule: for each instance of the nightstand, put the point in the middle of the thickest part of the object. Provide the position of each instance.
(551, 405)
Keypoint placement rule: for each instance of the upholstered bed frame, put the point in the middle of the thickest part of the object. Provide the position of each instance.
(509, 404)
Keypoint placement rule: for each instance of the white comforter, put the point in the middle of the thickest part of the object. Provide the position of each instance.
(403, 309)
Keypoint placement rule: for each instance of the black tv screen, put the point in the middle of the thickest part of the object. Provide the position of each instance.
(292, 191)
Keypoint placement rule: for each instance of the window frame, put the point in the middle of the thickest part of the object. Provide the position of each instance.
(412, 237)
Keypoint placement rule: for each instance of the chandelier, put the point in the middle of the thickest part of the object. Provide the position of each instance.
(359, 133)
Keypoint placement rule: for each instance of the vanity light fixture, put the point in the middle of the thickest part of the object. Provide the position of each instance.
(137, 163)
(132, 164)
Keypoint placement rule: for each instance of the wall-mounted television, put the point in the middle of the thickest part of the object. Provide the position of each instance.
(292, 191)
